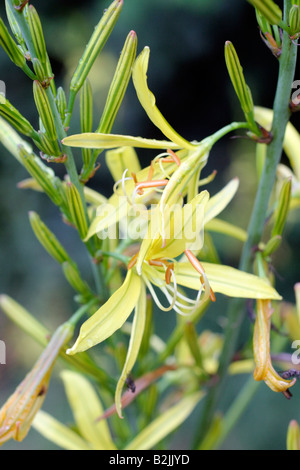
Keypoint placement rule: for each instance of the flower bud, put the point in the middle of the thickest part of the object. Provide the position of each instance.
(76, 210)
(283, 206)
(23, 319)
(119, 83)
(86, 116)
(294, 20)
(269, 10)
(47, 239)
(42, 174)
(36, 32)
(61, 103)
(18, 412)
(73, 277)
(241, 88)
(47, 146)
(192, 342)
(15, 118)
(293, 436)
(272, 245)
(44, 110)
(12, 50)
(14, 26)
(95, 44)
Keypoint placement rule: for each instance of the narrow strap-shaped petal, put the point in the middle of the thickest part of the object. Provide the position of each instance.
(147, 100)
(111, 316)
(86, 411)
(136, 337)
(166, 423)
(226, 280)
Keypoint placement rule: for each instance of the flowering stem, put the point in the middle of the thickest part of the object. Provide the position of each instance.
(237, 409)
(236, 314)
(233, 126)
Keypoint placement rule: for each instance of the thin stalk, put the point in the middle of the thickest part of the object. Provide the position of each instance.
(237, 409)
(233, 126)
(256, 226)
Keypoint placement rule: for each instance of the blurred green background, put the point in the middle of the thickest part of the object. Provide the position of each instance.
(188, 76)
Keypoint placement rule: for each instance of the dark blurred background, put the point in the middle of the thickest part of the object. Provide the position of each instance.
(188, 76)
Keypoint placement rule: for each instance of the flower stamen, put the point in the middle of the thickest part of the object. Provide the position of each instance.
(203, 278)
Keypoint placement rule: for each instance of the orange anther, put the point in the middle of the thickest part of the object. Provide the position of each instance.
(168, 274)
(132, 261)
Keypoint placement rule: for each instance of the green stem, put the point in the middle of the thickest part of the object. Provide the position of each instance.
(237, 409)
(81, 311)
(257, 220)
(233, 126)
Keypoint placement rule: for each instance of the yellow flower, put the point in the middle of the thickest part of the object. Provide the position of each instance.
(18, 412)
(261, 349)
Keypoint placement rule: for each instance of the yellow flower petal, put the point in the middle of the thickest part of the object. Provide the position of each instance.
(136, 337)
(58, 433)
(111, 316)
(147, 100)
(226, 280)
(121, 159)
(86, 411)
(110, 141)
(166, 423)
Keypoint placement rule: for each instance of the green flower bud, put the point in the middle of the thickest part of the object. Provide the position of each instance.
(294, 19)
(86, 116)
(263, 23)
(269, 10)
(15, 118)
(14, 26)
(95, 44)
(12, 50)
(23, 319)
(38, 69)
(77, 210)
(73, 277)
(44, 176)
(36, 32)
(293, 436)
(192, 341)
(272, 245)
(61, 103)
(283, 206)
(47, 146)
(119, 84)
(241, 88)
(47, 239)
(44, 110)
